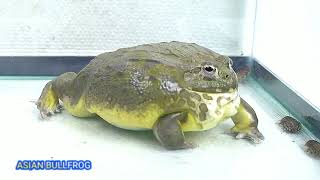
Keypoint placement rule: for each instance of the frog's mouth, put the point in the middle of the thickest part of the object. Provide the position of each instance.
(214, 86)
(220, 99)
(216, 89)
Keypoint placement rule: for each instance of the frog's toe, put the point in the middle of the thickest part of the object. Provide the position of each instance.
(254, 135)
(58, 109)
(44, 113)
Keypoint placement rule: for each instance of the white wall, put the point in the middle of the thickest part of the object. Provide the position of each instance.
(88, 27)
(287, 41)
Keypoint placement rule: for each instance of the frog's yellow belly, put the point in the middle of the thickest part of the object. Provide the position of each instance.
(144, 118)
(140, 119)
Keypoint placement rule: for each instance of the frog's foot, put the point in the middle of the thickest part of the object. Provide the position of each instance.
(48, 102)
(46, 110)
(252, 134)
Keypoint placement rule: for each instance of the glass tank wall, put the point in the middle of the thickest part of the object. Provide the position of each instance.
(286, 41)
(273, 48)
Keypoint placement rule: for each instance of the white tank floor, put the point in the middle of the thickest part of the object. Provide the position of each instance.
(122, 154)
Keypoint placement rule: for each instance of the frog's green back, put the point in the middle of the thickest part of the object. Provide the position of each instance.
(171, 53)
(139, 71)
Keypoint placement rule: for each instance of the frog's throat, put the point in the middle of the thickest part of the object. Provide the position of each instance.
(216, 106)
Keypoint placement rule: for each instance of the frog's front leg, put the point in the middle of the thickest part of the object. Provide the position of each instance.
(168, 131)
(246, 123)
(48, 102)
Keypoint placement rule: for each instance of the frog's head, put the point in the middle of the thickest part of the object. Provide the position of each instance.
(212, 76)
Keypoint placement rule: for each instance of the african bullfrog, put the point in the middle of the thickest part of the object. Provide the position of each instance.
(169, 87)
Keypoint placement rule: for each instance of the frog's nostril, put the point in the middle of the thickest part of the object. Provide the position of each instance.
(227, 76)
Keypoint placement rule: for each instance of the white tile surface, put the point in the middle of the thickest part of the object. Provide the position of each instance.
(121, 154)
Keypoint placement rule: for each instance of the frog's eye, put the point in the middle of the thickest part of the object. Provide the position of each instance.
(209, 69)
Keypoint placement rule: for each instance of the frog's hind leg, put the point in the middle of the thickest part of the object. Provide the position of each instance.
(62, 88)
(168, 132)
